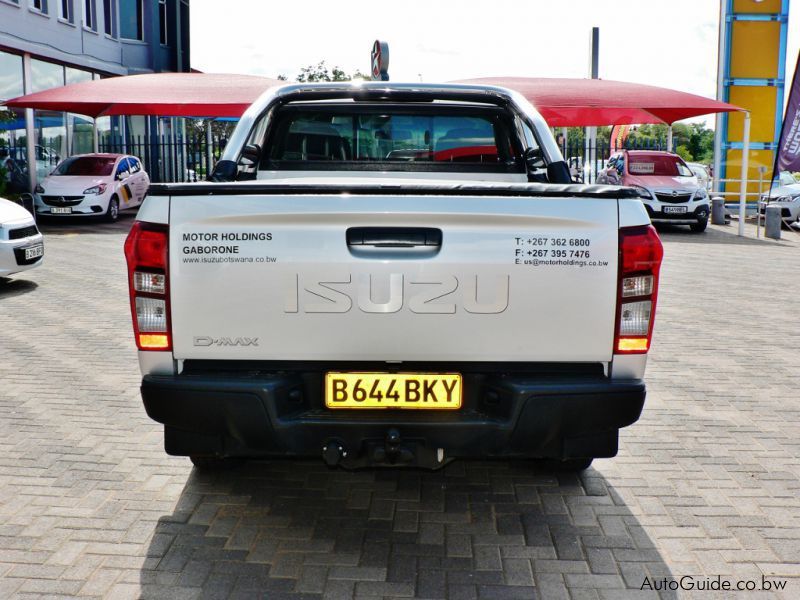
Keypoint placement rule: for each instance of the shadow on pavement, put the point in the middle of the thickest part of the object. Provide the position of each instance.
(727, 234)
(296, 529)
(16, 287)
(72, 225)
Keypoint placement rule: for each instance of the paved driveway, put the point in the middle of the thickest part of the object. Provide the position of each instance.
(707, 484)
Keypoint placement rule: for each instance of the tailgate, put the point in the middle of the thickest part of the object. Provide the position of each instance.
(275, 277)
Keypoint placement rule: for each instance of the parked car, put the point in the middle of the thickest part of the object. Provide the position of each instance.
(21, 244)
(787, 196)
(701, 172)
(93, 184)
(668, 188)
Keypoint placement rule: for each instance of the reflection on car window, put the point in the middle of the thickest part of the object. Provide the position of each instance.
(86, 165)
(320, 135)
(122, 167)
(659, 165)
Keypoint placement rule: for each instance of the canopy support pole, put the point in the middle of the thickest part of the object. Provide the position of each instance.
(669, 138)
(95, 137)
(209, 149)
(743, 184)
(30, 133)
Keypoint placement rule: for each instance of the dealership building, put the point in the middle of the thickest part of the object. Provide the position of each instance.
(50, 43)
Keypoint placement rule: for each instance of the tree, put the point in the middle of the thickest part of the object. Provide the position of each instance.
(320, 72)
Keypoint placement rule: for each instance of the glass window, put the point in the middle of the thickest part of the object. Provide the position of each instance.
(130, 19)
(430, 137)
(658, 165)
(77, 75)
(51, 140)
(109, 8)
(45, 75)
(89, 16)
(65, 11)
(82, 141)
(86, 165)
(121, 167)
(162, 21)
(40, 5)
(10, 76)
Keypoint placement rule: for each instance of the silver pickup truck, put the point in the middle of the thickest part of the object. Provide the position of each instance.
(392, 274)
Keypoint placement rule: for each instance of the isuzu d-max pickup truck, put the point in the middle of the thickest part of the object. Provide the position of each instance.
(392, 274)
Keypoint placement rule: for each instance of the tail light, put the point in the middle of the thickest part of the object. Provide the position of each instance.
(146, 252)
(640, 254)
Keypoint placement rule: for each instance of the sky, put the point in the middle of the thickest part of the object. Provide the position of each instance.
(668, 43)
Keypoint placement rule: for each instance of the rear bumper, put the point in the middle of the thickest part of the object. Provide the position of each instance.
(283, 414)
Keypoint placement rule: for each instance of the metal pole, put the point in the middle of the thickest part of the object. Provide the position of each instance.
(95, 137)
(30, 139)
(669, 138)
(743, 184)
(209, 149)
(591, 132)
(758, 201)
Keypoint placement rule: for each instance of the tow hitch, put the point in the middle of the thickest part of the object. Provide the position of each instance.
(392, 451)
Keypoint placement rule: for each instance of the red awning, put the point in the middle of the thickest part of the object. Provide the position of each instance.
(588, 102)
(562, 102)
(166, 94)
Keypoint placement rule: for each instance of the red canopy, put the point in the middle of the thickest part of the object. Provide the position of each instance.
(562, 102)
(167, 94)
(587, 102)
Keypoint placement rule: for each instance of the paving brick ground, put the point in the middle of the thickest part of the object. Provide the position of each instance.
(707, 483)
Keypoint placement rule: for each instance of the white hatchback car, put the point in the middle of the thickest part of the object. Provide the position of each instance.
(788, 198)
(93, 184)
(21, 245)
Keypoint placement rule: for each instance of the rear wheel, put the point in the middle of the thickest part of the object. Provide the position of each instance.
(112, 212)
(700, 226)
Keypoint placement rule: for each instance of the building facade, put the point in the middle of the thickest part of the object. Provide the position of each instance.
(49, 43)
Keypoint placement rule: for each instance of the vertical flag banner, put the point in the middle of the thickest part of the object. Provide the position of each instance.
(789, 146)
(619, 134)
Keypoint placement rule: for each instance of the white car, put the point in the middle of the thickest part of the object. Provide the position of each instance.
(700, 171)
(787, 197)
(21, 245)
(93, 184)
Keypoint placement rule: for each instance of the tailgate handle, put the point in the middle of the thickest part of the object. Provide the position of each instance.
(361, 238)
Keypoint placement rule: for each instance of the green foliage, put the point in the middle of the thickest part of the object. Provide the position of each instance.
(701, 143)
(321, 72)
(576, 136)
(683, 152)
(219, 129)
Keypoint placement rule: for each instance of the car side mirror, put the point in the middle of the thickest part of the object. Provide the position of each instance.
(533, 159)
(251, 155)
(224, 170)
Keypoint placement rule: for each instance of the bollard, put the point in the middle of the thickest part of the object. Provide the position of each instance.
(718, 211)
(772, 228)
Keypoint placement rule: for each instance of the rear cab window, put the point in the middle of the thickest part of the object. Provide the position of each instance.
(353, 137)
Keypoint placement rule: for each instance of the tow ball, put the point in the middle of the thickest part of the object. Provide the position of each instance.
(393, 451)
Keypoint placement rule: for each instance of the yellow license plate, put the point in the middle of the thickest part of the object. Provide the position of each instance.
(417, 391)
